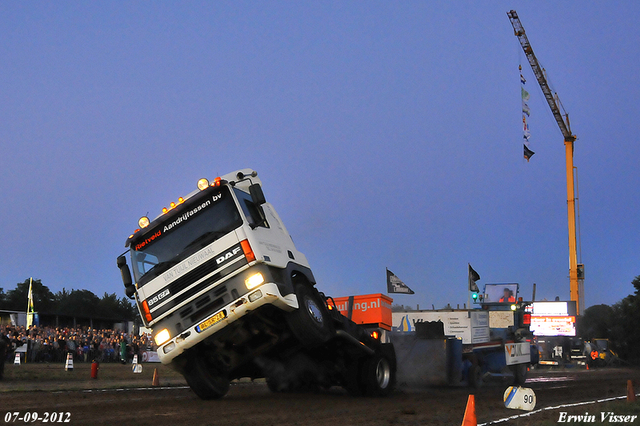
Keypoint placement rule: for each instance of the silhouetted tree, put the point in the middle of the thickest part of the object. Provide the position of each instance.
(597, 322)
(16, 299)
(625, 332)
(81, 303)
(76, 303)
(400, 308)
(110, 306)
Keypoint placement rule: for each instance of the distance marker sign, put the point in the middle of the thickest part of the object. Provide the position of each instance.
(519, 398)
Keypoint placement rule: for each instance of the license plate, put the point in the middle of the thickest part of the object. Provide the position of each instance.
(211, 321)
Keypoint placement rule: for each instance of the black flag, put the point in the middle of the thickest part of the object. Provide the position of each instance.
(527, 153)
(394, 285)
(473, 277)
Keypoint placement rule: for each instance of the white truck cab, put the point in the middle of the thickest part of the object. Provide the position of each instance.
(220, 282)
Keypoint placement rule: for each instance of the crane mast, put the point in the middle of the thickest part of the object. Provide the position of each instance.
(575, 278)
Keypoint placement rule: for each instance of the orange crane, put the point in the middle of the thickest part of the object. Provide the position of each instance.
(576, 271)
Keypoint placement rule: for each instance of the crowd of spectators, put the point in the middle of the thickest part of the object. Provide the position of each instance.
(52, 344)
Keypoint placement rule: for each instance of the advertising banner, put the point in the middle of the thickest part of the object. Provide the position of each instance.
(517, 353)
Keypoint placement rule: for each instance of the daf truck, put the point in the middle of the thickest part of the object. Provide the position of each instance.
(220, 282)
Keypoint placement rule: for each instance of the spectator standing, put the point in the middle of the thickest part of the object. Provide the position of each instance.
(123, 350)
(4, 347)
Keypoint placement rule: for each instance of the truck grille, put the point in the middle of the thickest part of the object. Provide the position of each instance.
(207, 310)
(202, 301)
(189, 278)
(204, 306)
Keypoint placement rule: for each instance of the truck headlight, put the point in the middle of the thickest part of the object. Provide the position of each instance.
(254, 281)
(162, 337)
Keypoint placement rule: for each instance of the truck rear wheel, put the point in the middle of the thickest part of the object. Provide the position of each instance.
(377, 376)
(204, 380)
(310, 323)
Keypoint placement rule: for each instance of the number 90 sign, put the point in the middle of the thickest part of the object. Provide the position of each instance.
(519, 398)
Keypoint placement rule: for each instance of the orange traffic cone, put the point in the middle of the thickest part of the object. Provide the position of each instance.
(470, 413)
(156, 379)
(631, 395)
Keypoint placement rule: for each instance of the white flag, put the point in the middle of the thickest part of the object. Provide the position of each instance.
(30, 310)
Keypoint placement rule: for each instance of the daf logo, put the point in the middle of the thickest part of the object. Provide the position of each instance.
(228, 255)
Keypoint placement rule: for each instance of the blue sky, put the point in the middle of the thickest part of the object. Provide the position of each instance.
(387, 134)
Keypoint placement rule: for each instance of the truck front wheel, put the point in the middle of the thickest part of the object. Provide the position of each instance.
(204, 380)
(310, 323)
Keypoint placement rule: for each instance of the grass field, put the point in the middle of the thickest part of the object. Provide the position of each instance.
(43, 376)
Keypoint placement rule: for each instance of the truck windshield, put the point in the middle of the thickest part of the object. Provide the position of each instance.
(192, 227)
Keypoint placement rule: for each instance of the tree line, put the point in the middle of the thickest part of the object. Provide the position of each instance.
(76, 303)
(620, 323)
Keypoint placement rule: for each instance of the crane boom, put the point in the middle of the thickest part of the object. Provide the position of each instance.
(553, 101)
(555, 105)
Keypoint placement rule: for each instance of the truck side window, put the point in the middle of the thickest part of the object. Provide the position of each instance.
(255, 214)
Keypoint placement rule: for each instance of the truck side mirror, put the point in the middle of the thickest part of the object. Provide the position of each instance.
(256, 194)
(129, 288)
(130, 291)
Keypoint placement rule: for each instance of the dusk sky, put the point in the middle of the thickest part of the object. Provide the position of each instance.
(386, 134)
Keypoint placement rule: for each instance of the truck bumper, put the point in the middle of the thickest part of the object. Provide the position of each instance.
(264, 294)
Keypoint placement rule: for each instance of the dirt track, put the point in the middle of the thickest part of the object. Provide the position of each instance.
(253, 404)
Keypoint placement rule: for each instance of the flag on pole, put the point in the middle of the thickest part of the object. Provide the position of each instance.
(395, 285)
(525, 128)
(473, 277)
(30, 310)
(528, 153)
